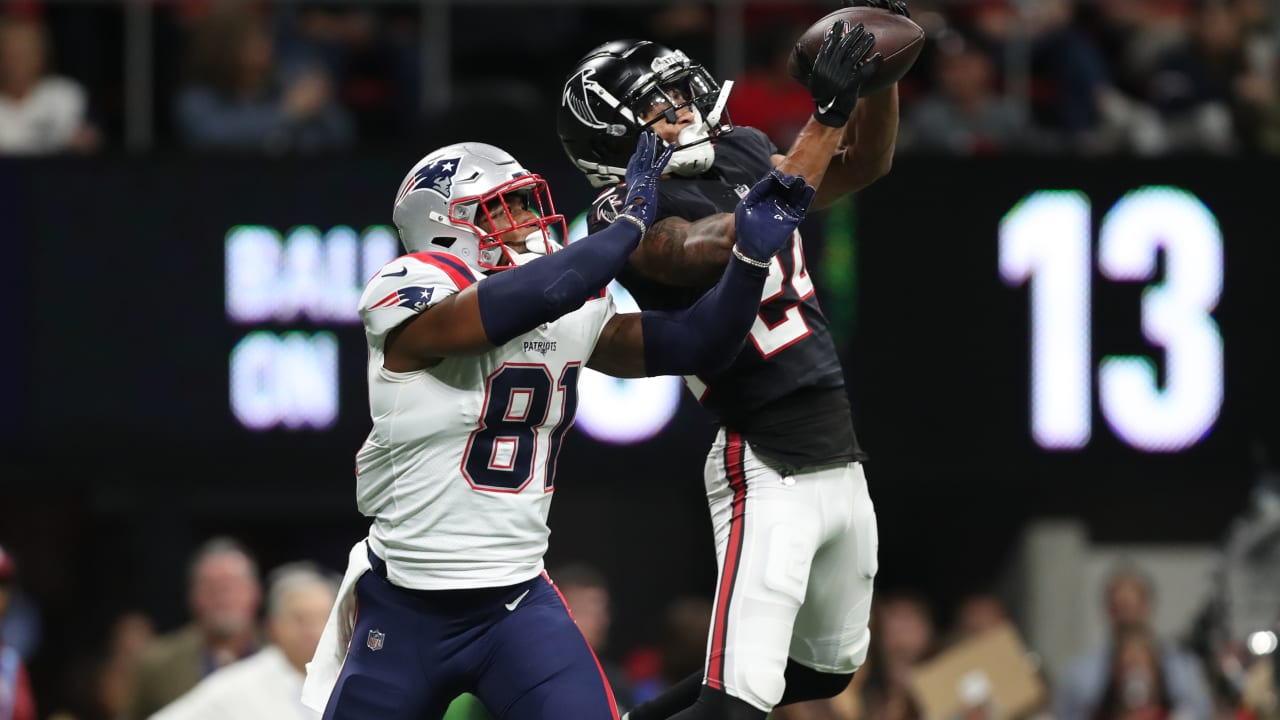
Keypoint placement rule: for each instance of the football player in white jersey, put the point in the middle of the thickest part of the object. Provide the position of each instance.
(476, 341)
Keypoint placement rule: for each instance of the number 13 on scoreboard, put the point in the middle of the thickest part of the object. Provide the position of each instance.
(1045, 240)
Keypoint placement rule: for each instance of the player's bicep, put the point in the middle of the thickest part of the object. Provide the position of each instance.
(620, 350)
(678, 252)
(448, 328)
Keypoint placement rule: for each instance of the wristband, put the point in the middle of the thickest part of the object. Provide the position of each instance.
(634, 221)
(748, 260)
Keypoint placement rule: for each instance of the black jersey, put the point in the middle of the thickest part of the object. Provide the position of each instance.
(785, 390)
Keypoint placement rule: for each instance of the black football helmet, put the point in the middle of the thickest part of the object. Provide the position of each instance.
(611, 90)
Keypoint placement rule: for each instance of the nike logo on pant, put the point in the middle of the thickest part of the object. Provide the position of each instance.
(514, 603)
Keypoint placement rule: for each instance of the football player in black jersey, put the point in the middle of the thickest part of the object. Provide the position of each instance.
(795, 528)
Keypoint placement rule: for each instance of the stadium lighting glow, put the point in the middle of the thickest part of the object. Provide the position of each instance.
(1263, 642)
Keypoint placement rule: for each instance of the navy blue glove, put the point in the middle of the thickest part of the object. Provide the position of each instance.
(768, 215)
(643, 171)
(897, 7)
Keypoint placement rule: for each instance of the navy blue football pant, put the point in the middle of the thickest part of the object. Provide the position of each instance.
(516, 648)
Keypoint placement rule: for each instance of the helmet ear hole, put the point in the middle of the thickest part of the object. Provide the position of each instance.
(444, 242)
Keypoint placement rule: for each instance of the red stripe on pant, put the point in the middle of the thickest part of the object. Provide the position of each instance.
(733, 463)
(604, 679)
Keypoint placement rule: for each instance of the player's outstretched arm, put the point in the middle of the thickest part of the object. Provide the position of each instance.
(867, 144)
(679, 252)
(515, 301)
(676, 251)
(866, 150)
(707, 335)
(844, 63)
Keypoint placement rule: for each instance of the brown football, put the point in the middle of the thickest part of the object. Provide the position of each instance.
(898, 39)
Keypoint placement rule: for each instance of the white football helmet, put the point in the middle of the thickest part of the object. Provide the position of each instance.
(452, 200)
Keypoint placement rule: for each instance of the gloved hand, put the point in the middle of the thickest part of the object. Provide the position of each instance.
(768, 215)
(897, 7)
(643, 171)
(839, 71)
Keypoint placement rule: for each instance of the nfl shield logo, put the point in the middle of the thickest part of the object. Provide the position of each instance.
(376, 637)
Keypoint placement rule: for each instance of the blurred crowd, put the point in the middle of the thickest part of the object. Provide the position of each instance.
(243, 651)
(1091, 76)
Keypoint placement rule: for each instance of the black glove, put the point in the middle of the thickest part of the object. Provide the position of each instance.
(643, 172)
(897, 7)
(840, 69)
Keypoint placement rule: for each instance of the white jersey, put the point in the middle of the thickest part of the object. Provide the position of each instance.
(459, 468)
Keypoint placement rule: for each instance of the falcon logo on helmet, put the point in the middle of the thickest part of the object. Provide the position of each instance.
(576, 92)
(616, 86)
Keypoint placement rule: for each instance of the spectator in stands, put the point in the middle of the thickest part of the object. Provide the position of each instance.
(679, 651)
(1135, 688)
(16, 700)
(684, 645)
(965, 115)
(1204, 88)
(902, 635)
(1129, 598)
(240, 98)
(587, 594)
(268, 685)
(767, 97)
(370, 52)
(1261, 701)
(130, 635)
(224, 593)
(977, 614)
(39, 113)
(1259, 86)
(1068, 70)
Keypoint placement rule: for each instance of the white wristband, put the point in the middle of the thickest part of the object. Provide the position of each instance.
(634, 221)
(750, 261)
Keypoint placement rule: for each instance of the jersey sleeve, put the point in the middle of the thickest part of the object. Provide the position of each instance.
(405, 287)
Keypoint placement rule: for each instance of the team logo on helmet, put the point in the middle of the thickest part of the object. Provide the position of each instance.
(575, 98)
(436, 176)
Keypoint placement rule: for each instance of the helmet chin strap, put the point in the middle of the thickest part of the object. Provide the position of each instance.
(695, 154)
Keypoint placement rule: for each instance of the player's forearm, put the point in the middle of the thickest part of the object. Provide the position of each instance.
(706, 336)
(686, 254)
(866, 153)
(515, 301)
(811, 152)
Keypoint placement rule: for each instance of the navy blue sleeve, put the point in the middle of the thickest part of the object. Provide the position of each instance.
(707, 335)
(515, 301)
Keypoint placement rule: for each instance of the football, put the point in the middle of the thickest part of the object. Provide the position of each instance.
(898, 39)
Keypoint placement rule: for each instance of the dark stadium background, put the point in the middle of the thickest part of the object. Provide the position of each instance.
(119, 452)
(126, 453)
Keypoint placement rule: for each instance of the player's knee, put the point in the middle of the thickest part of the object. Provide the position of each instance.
(805, 683)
